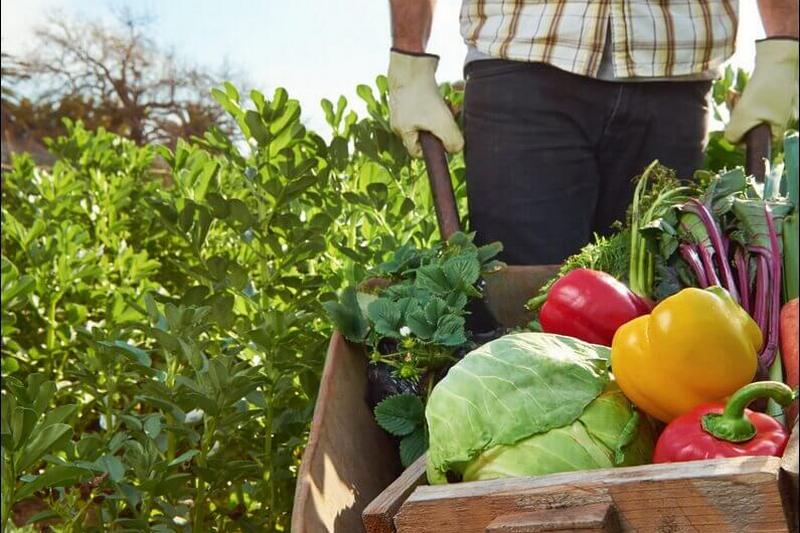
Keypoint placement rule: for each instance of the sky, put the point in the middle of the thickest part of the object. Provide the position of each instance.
(314, 48)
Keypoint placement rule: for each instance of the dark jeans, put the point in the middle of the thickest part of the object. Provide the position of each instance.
(550, 155)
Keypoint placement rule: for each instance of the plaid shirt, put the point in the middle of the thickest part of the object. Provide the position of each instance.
(649, 38)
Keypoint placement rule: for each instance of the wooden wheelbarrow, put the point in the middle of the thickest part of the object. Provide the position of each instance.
(350, 479)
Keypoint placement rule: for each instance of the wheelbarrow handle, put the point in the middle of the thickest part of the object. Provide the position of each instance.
(758, 148)
(444, 199)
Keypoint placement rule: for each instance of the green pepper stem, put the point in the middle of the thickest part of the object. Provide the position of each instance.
(733, 425)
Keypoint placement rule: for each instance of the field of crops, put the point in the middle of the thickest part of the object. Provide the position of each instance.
(163, 332)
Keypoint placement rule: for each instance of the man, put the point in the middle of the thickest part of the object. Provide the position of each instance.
(567, 100)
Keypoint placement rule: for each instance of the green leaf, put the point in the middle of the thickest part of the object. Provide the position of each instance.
(378, 192)
(419, 323)
(17, 288)
(279, 99)
(406, 207)
(400, 414)
(257, 127)
(259, 100)
(489, 251)
(222, 309)
(231, 91)
(412, 446)
(182, 458)
(327, 108)
(226, 103)
(752, 219)
(113, 466)
(54, 476)
(240, 213)
(219, 205)
(133, 352)
(462, 270)
(365, 93)
(42, 515)
(385, 316)
(433, 278)
(288, 118)
(22, 423)
(339, 153)
(450, 331)
(198, 400)
(44, 440)
(42, 392)
(59, 414)
(152, 426)
(347, 317)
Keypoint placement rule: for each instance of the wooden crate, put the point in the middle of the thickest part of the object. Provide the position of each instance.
(721, 495)
(349, 459)
(350, 467)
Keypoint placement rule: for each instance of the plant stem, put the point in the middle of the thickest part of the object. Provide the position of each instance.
(269, 502)
(209, 428)
(51, 324)
(691, 258)
(714, 234)
(733, 424)
(743, 277)
(8, 495)
(110, 388)
(768, 354)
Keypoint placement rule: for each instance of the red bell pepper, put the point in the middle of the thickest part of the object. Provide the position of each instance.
(726, 430)
(590, 305)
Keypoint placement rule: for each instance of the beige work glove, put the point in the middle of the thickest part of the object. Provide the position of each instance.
(415, 103)
(771, 93)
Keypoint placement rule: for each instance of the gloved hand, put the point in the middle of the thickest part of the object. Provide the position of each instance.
(771, 93)
(415, 103)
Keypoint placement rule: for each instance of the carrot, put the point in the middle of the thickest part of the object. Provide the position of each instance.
(790, 350)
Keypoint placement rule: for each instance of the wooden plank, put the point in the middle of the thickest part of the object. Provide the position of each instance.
(598, 517)
(378, 516)
(719, 495)
(349, 460)
(510, 288)
(790, 463)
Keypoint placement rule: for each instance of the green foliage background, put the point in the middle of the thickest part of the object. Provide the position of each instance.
(162, 340)
(179, 329)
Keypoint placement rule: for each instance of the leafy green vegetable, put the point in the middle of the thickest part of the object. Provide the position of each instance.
(608, 434)
(510, 406)
(403, 415)
(657, 192)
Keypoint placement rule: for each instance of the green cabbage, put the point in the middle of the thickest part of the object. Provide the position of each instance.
(532, 404)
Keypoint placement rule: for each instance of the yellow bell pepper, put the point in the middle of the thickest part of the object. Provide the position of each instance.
(695, 347)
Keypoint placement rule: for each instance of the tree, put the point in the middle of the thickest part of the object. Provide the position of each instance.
(109, 76)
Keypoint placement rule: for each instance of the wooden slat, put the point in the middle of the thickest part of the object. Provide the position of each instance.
(510, 288)
(349, 460)
(379, 514)
(790, 463)
(600, 518)
(719, 495)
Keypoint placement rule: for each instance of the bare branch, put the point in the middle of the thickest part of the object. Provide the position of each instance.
(114, 76)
